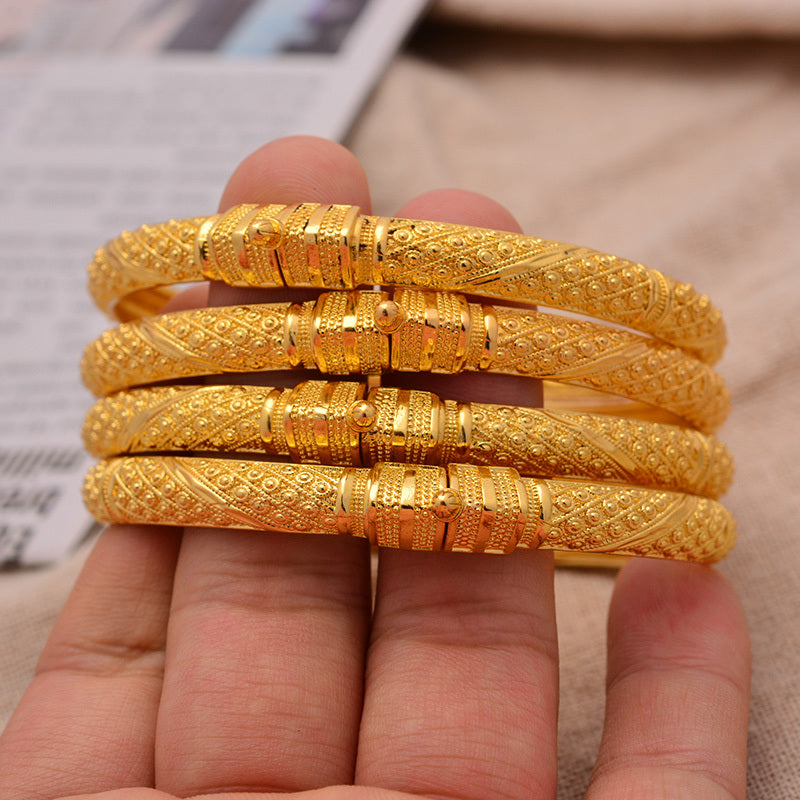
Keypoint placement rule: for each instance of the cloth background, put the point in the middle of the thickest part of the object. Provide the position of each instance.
(666, 132)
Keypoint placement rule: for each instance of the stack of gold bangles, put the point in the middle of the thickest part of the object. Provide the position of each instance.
(620, 460)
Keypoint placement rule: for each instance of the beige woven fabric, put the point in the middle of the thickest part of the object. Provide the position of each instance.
(682, 155)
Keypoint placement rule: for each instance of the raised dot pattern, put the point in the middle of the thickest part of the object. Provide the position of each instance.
(153, 255)
(437, 255)
(216, 418)
(227, 493)
(532, 441)
(610, 360)
(595, 518)
(516, 267)
(215, 493)
(233, 339)
(599, 447)
(252, 338)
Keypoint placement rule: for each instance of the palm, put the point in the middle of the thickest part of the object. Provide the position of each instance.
(239, 664)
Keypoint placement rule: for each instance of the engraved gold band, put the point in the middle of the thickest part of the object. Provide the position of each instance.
(335, 247)
(465, 507)
(342, 423)
(370, 332)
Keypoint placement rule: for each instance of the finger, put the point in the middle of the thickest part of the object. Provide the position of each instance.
(461, 685)
(87, 721)
(678, 687)
(298, 169)
(266, 645)
(328, 793)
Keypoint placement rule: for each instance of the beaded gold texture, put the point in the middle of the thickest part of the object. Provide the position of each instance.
(335, 247)
(499, 510)
(322, 335)
(341, 423)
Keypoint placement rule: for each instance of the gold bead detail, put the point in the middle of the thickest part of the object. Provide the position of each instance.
(266, 233)
(447, 505)
(389, 316)
(361, 416)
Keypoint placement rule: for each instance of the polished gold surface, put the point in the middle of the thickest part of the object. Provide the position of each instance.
(341, 423)
(338, 334)
(334, 247)
(465, 507)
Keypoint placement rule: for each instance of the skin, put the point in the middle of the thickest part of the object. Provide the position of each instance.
(202, 662)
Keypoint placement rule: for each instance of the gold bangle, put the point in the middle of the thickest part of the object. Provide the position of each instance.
(342, 423)
(334, 247)
(462, 508)
(343, 333)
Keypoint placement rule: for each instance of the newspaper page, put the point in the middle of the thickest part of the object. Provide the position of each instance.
(114, 113)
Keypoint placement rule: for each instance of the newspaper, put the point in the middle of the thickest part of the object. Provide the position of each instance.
(118, 112)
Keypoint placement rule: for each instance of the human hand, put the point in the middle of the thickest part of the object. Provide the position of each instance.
(243, 665)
